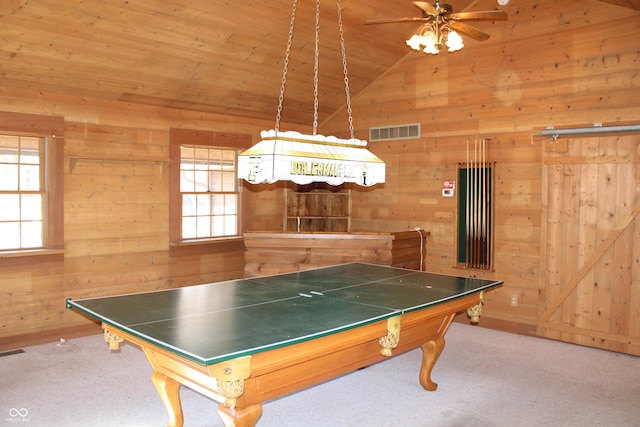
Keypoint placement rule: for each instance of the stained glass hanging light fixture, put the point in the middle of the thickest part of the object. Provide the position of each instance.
(301, 158)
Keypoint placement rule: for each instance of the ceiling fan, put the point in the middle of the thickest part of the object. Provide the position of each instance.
(441, 26)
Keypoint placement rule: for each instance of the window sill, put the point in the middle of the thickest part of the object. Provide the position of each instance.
(31, 252)
(213, 241)
(31, 257)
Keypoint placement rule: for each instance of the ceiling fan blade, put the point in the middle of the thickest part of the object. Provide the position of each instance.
(491, 15)
(468, 30)
(393, 20)
(428, 8)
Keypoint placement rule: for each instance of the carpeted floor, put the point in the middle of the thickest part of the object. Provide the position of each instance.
(486, 379)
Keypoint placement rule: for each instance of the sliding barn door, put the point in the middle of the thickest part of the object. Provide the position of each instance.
(590, 249)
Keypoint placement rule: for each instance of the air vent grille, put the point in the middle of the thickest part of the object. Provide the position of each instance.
(395, 132)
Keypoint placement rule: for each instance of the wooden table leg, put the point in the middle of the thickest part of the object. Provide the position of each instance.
(245, 417)
(476, 311)
(169, 390)
(430, 352)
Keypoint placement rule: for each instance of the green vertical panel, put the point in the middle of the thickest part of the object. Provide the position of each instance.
(462, 217)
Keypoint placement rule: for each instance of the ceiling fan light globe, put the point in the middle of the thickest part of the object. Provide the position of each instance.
(414, 42)
(432, 49)
(454, 41)
(430, 43)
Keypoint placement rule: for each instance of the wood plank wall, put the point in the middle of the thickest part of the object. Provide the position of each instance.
(500, 89)
(116, 208)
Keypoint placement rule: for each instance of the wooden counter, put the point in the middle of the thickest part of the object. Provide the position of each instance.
(269, 252)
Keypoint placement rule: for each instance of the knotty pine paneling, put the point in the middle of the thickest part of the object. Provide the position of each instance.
(561, 66)
(116, 206)
(521, 79)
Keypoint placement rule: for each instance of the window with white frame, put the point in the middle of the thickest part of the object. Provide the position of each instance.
(23, 195)
(31, 184)
(209, 192)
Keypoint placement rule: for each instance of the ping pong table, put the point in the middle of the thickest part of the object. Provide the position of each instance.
(246, 341)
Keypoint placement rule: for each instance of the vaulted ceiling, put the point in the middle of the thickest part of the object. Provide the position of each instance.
(217, 56)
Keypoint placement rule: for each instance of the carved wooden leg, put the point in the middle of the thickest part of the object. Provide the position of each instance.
(246, 417)
(112, 339)
(430, 352)
(390, 341)
(476, 311)
(169, 391)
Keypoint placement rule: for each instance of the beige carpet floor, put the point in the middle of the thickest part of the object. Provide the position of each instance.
(486, 379)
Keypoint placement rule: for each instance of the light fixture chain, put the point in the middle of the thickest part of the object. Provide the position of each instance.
(286, 63)
(344, 65)
(315, 70)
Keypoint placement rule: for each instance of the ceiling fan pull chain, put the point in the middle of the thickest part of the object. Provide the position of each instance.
(344, 65)
(315, 70)
(286, 63)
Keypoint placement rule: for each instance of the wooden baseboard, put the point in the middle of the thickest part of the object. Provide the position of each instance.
(500, 325)
(54, 335)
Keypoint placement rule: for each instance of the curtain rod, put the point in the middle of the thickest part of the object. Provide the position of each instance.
(595, 129)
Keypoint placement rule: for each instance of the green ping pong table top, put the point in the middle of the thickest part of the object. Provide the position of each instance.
(214, 322)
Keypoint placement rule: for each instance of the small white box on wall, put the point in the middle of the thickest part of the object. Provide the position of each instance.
(448, 189)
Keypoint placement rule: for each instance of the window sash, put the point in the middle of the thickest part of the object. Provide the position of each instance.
(22, 193)
(209, 192)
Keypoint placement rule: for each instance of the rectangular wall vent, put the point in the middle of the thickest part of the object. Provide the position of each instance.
(395, 132)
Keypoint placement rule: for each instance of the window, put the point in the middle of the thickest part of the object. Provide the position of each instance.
(209, 189)
(22, 192)
(205, 201)
(31, 184)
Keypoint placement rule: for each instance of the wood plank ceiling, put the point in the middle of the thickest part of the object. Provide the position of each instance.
(215, 56)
